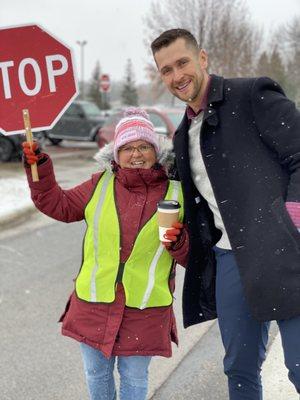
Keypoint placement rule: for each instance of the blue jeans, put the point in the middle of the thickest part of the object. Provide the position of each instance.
(244, 338)
(98, 370)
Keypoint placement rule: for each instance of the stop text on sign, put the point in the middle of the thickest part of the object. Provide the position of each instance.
(29, 66)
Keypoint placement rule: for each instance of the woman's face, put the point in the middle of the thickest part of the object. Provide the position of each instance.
(137, 154)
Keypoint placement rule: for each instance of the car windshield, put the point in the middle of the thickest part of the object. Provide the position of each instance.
(175, 117)
(91, 109)
(113, 119)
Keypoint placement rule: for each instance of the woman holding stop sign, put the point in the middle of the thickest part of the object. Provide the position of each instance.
(121, 307)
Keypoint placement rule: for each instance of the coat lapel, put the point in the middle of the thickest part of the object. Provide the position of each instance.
(181, 148)
(215, 95)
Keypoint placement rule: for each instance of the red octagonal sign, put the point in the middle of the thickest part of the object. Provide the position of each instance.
(36, 73)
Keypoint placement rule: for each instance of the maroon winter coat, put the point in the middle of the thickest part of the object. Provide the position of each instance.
(114, 328)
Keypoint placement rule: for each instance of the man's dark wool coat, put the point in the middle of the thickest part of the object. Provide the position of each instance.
(250, 144)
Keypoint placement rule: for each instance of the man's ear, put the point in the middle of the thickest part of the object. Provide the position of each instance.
(154, 58)
(203, 59)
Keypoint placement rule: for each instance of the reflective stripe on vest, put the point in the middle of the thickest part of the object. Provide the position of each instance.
(146, 272)
(161, 248)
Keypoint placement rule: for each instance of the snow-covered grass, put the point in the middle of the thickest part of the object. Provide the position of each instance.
(14, 195)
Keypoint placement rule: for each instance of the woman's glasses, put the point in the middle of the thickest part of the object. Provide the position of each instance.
(143, 148)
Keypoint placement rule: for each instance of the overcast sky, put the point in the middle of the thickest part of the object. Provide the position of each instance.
(114, 29)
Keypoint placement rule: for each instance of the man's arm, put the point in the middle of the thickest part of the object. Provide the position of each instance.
(278, 121)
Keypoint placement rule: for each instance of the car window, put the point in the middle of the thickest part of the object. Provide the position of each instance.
(175, 118)
(90, 109)
(157, 121)
(113, 119)
(73, 110)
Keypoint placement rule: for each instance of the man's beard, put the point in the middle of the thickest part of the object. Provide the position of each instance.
(190, 98)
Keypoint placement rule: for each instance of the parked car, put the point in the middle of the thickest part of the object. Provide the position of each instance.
(11, 148)
(165, 122)
(81, 121)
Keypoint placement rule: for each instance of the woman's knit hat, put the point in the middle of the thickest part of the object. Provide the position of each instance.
(135, 125)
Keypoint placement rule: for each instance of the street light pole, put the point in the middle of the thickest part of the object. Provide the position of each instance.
(82, 43)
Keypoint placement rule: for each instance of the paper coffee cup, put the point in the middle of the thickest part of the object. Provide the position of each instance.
(167, 214)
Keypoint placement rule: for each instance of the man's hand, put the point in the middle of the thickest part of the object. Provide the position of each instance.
(173, 234)
(31, 152)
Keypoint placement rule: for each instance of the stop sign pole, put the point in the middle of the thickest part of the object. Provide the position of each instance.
(29, 138)
(37, 79)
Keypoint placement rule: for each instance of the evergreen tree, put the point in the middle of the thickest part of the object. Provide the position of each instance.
(93, 93)
(129, 93)
(272, 66)
(263, 67)
(291, 44)
(293, 81)
(277, 68)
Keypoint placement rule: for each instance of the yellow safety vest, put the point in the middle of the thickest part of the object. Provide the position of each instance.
(145, 275)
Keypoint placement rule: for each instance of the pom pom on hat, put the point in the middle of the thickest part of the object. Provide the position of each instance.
(135, 111)
(135, 125)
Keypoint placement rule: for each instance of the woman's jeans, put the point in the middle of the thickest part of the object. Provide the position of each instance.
(133, 372)
(244, 338)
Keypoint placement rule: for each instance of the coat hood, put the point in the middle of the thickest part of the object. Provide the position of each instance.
(165, 156)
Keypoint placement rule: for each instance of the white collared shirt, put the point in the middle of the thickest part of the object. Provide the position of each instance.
(201, 179)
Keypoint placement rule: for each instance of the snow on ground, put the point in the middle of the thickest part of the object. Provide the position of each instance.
(14, 195)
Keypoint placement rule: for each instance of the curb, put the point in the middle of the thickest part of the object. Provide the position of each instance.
(17, 216)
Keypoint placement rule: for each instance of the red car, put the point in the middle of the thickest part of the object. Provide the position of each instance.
(165, 122)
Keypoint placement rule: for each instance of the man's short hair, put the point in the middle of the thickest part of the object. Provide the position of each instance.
(168, 37)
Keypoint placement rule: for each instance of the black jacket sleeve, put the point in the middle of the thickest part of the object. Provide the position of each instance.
(278, 122)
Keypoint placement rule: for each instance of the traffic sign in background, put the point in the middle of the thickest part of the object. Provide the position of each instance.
(104, 83)
(36, 73)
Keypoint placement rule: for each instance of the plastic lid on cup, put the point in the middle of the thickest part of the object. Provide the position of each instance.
(168, 204)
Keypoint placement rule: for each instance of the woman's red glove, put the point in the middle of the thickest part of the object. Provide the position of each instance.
(173, 234)
(31, 152)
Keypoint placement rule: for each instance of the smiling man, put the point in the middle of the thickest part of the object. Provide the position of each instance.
(238, 157)
(183, 70)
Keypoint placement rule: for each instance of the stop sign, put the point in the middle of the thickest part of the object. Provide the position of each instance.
(104, 83)
(36, 73)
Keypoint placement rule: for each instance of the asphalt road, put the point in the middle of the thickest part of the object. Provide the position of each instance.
(36, 276)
